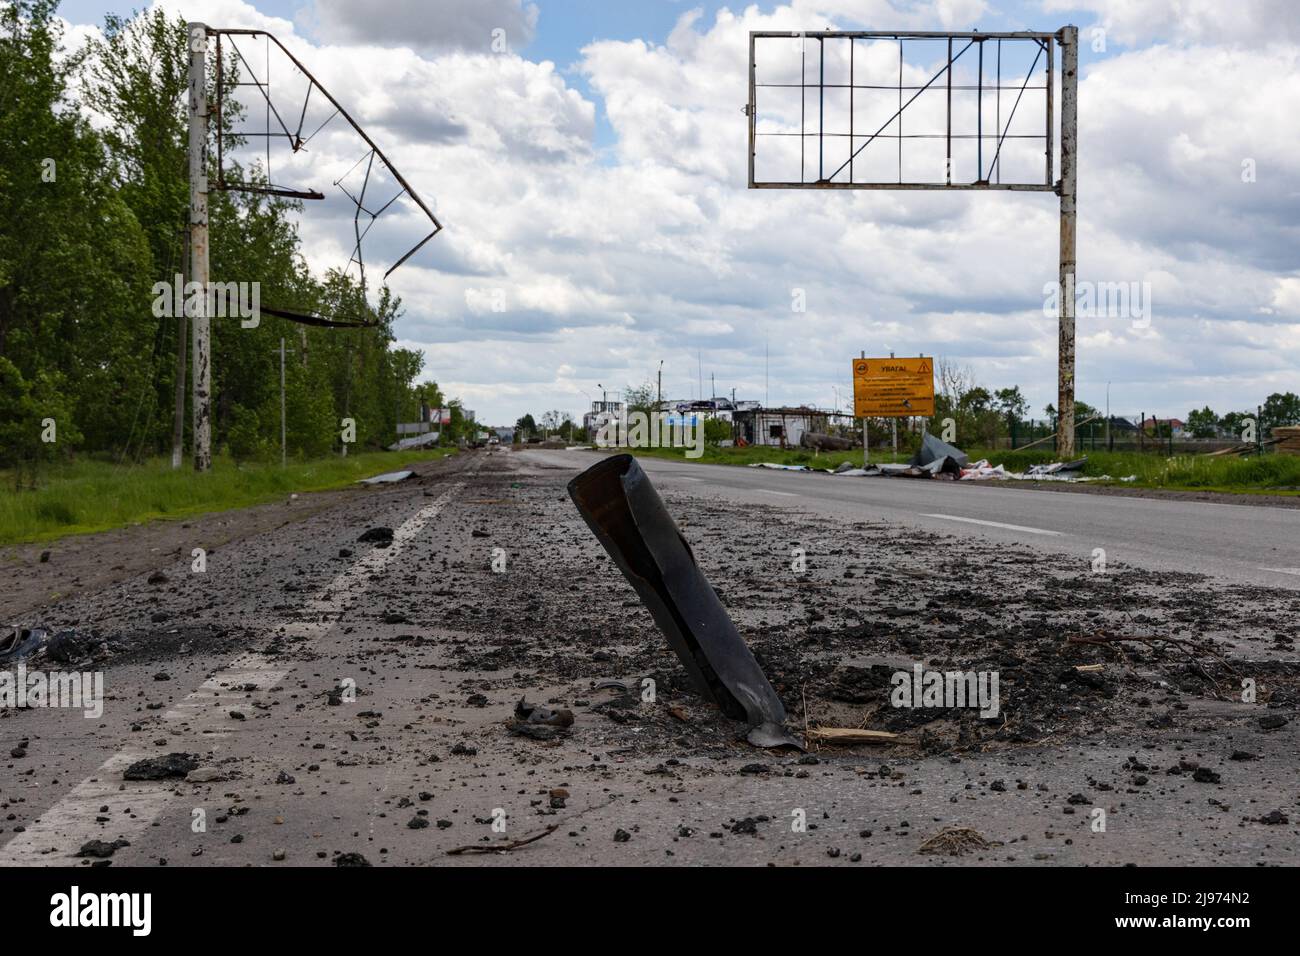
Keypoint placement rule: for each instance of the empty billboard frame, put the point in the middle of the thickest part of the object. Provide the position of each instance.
(825, 106)
(901, 110)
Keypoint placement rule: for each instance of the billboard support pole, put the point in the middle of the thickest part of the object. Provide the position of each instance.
(198, 246)
(866, 447)
(1069, 39)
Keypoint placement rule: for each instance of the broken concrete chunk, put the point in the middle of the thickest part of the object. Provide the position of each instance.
(101, 850)
(205, 775)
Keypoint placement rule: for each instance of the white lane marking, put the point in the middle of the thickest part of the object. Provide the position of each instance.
(69, 824)
(1295, 571)
(207, 710)
(995, 524)
(784, 494)
(354, 581)
(685, 478)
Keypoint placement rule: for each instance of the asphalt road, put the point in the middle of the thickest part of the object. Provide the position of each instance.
(1253, 544)
(241, 667)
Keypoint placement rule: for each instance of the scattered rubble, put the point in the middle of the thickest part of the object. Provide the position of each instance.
(100, 849)
(380, 537)
(174, 765)
(539, 723)
(956, 841)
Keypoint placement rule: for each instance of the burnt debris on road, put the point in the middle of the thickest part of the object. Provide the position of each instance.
(493, 673)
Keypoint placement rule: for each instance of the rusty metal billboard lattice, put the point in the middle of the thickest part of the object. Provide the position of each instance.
(901, 110)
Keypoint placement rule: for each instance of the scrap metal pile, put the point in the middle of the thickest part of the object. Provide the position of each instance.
(938, 459)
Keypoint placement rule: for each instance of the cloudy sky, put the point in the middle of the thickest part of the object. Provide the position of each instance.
(588, 161)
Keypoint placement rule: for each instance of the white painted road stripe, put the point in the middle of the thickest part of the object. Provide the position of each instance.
(785, 494)
(1295, 571)
(67, 825)
(994, 524)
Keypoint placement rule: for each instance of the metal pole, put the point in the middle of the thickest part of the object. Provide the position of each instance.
(948, 174)
(753, 109)
(893, 427)
(866, 447)
(178, 418)
(202, 351)
(979, 122)
(821, 111)
(1069, 38)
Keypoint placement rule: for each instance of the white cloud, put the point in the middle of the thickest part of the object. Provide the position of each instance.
(609, 261)
(428, 25)
(1130, 22)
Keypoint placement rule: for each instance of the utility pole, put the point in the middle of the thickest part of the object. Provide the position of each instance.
(202, 350)
(178, 418)
(866, 449)
(659, 392)
(1069, 39)
(284, 445)
(893, 428)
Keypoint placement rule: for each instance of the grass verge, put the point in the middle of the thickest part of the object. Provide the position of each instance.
(86, 496)
(1267, 474)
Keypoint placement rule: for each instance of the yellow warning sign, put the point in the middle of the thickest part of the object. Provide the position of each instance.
(893, 387)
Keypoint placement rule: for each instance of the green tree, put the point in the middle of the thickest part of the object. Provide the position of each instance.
(74, 273)
(91, 220)
(35, 421)
(1203, 423)
(640, 398)
(1280, 408)
(716, 430)
(1234, 423)
(1011, 404)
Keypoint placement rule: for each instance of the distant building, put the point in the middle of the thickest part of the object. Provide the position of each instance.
(781, 427)
(1177, 427)
(601, 414)
(721, 409)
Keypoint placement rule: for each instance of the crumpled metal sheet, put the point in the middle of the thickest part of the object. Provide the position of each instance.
(628, 517)
(17, 642)
(934, 449)
(387, 478)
